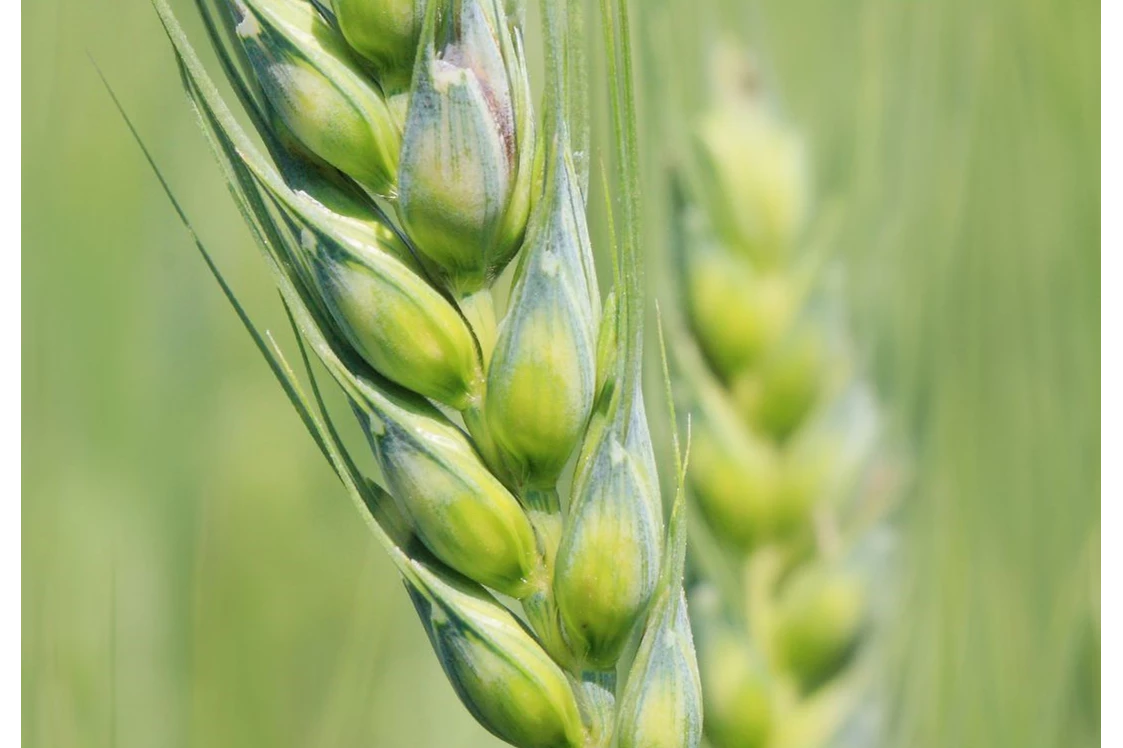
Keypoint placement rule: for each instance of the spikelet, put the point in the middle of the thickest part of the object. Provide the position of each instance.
(664, 707)
(542, 374)
(661, 705)
(467, 145)
(462, 513)
(374, 291)
(385, 32)
(313, 85)
(737, 312)
(754, 172)
(820, 614)
(608, 560)
(504, 677)
(735, 478)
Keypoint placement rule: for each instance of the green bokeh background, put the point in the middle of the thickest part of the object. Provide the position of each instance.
(194, 576)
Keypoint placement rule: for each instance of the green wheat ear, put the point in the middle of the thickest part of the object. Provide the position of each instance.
(787, 538)
(397, 170)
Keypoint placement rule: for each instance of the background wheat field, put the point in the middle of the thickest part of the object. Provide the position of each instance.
(194, 576)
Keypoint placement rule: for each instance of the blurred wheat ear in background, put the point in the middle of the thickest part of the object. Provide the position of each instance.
(792, 548)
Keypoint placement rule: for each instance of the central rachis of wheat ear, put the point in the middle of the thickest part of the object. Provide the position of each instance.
(403, 170)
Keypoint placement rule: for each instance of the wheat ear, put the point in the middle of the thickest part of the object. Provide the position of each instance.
(398, 170)
(790, 538)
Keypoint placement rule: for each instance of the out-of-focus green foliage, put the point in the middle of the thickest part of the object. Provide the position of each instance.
(194, 576)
